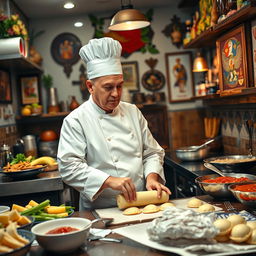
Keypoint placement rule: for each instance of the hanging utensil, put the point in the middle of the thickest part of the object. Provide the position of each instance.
(250, 128)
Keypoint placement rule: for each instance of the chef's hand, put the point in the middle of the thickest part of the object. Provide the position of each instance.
(152, 183)
(125, 185)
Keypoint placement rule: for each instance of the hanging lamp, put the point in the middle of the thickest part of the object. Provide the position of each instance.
(200, 64)
(128, 18)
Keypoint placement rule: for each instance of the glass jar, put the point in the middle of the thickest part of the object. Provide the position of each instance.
(5, 155)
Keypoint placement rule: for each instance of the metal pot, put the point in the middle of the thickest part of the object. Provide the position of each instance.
(192, 153)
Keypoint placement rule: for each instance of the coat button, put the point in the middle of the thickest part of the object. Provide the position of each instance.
(109, 139)
(115, 159)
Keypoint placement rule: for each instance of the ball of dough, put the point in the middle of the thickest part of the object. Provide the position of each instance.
(236, 219)
(166, 205)
(222, 239)
(252, 238)
(132, 211)
(194, 203)
(206, 208)
(150, 208)
(240, 233)
(251, 224)
(223, 225)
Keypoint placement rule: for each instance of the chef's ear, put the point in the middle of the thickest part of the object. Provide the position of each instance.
(89, 84)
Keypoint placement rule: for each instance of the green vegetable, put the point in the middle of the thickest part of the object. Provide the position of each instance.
(42, 218)
(37, 208)
(55, 216)
(19, 158)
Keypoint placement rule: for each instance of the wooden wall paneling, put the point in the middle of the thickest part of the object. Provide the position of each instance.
(187, 128)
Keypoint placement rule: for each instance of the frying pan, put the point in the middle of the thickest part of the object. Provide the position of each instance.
(193, 153)
(233, 163)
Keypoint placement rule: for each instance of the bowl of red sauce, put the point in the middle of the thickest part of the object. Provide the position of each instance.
(245, 193)
(62, 235)
(217, 186)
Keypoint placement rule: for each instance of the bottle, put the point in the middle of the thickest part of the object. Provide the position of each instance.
(74, 104)
(6, 155)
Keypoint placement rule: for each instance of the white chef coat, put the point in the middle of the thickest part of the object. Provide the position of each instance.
(94, 145)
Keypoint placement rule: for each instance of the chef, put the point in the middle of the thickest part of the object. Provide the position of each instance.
(105, 146)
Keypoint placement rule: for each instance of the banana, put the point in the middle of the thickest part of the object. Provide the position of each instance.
(44, 160)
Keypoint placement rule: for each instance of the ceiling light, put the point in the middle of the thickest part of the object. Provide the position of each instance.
(69, 5)
(128, 18)
(78, 24)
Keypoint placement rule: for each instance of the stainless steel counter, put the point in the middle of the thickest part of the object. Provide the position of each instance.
(45, 185)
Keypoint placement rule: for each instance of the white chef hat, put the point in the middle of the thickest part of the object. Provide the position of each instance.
(102, 57)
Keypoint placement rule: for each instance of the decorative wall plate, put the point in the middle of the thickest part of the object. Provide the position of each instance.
(153, 80)
(64, 50)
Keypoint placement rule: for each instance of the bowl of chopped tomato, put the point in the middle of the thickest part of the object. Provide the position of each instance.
(217, 186)
(62, 235)
(245, 193)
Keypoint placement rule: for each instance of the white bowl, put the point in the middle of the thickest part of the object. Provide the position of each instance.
(65, 242)
(4, 208)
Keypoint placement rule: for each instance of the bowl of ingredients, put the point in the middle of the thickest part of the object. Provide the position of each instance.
(245, 193)
(217, 186)
(62, 235)
(4, 208)
(15, 242)
(233, 163)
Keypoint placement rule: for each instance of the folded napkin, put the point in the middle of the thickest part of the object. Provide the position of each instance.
(100, 232)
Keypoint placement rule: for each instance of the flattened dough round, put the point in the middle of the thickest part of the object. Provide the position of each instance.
(150, 208)
(165, 205)
(194, 203)
(206, 208)
(132, 211)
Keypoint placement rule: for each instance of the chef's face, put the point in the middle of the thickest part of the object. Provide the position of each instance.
(106, 91)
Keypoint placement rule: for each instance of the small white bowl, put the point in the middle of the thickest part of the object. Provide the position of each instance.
(4, 208)
(65, 242)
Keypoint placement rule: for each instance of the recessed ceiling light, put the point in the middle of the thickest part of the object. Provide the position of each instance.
(69, 5)
(78, 24)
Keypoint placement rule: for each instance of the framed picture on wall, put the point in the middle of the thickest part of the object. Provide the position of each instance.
(5, 87)
(131, 75)
(231, 52)
(179, 76)
(30, 92)
(253, 31)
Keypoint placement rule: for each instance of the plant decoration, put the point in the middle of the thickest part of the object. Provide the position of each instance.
(143, 37)
(47, 81)
(175, 30)
(12, 26)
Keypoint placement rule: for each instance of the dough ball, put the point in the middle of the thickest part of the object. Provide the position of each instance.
(132, 211)
(222, 239)
(251, 224)
(150, 208)
(194, 203)
(223, 225)
(252, 238)
(206, 208)
(236, 219)
(240, 233)
(166, 205)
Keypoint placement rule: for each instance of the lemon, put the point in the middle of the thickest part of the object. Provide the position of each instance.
(26, 111)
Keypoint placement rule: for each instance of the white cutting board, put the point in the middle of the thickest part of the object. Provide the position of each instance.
(119, 218)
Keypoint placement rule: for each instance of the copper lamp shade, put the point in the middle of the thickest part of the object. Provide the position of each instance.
(128, 19)
(200, 64)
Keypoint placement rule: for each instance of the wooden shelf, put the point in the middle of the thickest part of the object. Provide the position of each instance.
(246, 96)
(208, 37)
(41, 118)
(20, 65)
